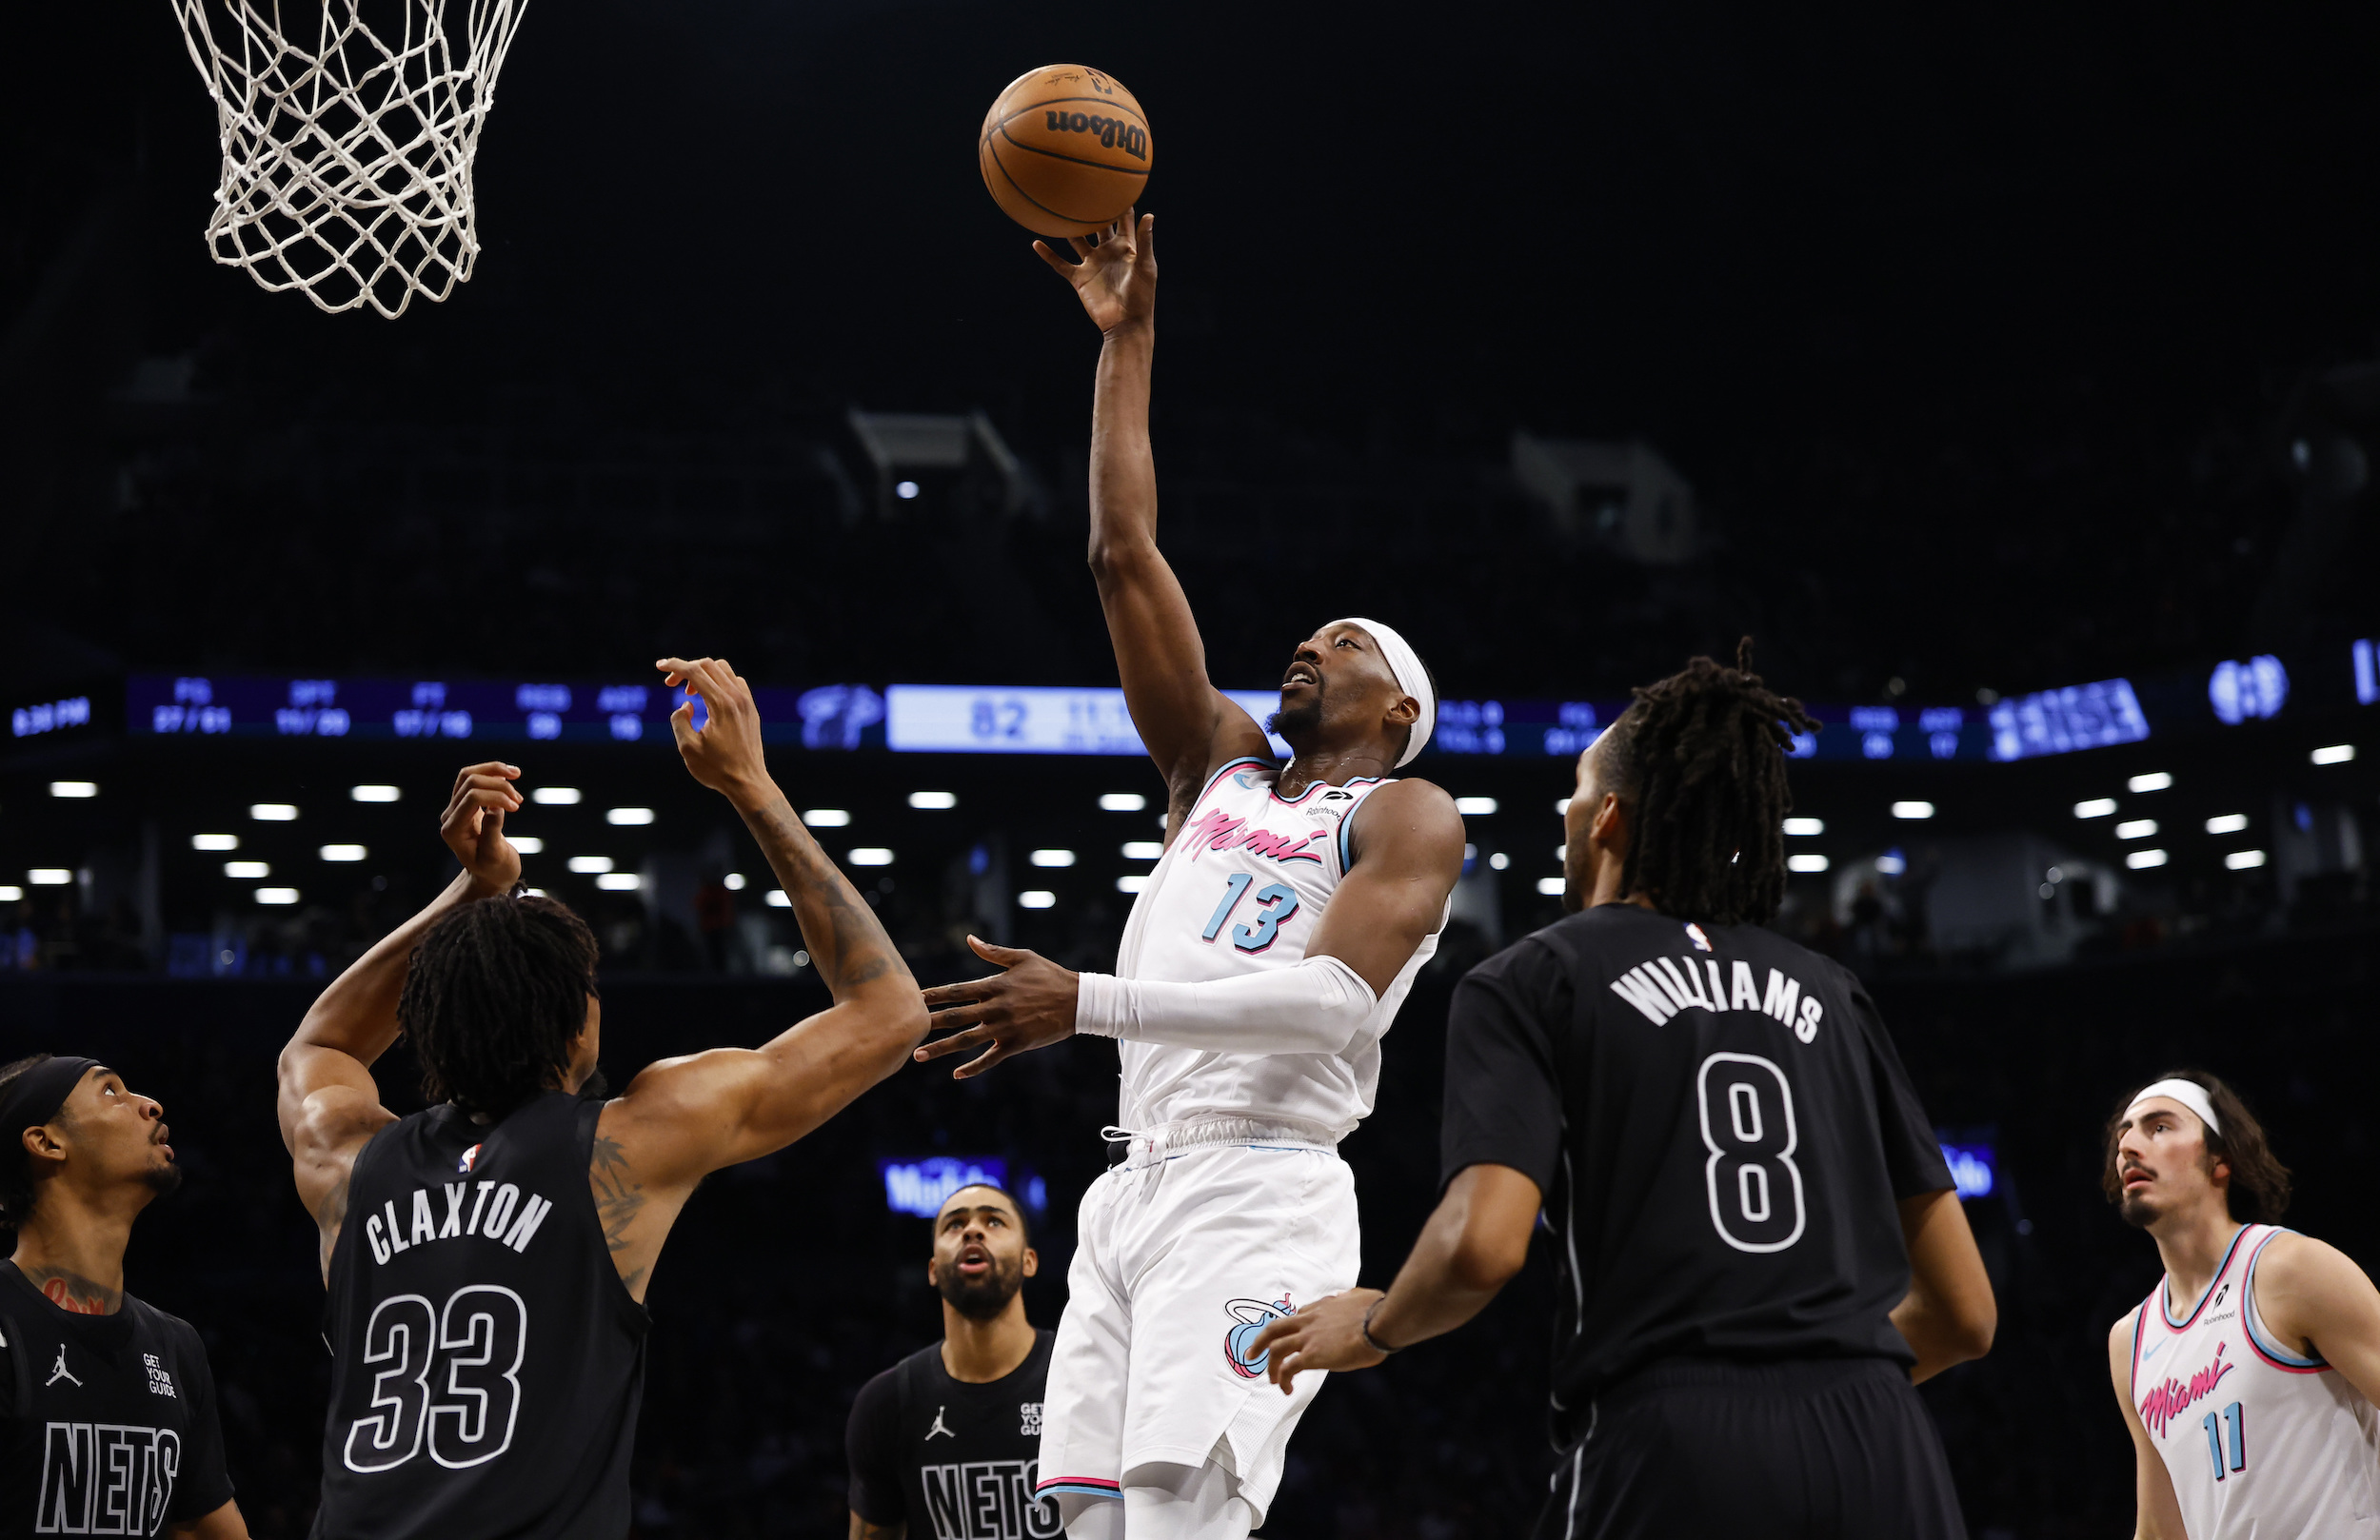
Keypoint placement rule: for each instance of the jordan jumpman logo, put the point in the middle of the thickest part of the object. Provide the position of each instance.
(60, 1371)
(939, 1427)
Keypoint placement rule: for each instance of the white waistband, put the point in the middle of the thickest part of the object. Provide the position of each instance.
(1191, 1133)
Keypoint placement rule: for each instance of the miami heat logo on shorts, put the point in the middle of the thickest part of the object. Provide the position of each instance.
(1251, 1316)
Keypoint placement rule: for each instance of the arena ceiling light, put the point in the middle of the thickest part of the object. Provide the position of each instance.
(2153, 780)
(933, 801)
(1143, 850)
(11, 893)
(1053, 858)
(278, 895)
(733, 881)
(1550, 887)
(2241, 861)
(1562, 808)
(1475, 806)
(214, 842)
(1123, 802)
(2140, 861)
(272, 813)
(2097, 807)
(871, 856)
(619, 881)
(1804, 828)
(2136, 829)
(630, 818)
(90, 788)
(2227, 823)
(342, 853)
(1036, 899)
(48, 877)
(1806, 863)
(827, 818)
(246, 871)
(527, 844)
(556, 796)
(1499, 862)
(2335, 754)
(777, 899)
(586, 865)
(1913, 810)
(373, 794)
(1132, 884)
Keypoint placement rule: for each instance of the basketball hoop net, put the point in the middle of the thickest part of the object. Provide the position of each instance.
(347, 164)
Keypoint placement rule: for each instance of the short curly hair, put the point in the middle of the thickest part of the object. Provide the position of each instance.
(494, 1000)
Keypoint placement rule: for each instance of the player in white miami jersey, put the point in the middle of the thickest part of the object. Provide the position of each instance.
(2248, 1375)
(1262, 965)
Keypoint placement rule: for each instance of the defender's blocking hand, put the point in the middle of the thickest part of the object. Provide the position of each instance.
(1326, 1334)
(725, 753)
(1028, 1005)
(473, 825)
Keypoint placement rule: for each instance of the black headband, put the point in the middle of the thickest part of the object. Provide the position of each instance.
(36, 1097)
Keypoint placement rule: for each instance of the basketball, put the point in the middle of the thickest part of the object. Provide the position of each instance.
(1065, 151)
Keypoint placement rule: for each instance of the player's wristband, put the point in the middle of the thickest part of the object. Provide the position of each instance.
(1364, 1328)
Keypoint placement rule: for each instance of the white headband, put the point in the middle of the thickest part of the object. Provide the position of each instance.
(1412, 678)
(2189, 1093)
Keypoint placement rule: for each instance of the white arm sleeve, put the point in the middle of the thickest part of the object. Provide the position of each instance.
(1315, 1007)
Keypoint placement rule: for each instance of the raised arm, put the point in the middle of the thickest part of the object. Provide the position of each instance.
(682, 1118)
(1188, 725)
(1407, 841)
(329, 1105)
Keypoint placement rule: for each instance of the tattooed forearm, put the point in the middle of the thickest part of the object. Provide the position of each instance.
(844, 937)
(72, 1291)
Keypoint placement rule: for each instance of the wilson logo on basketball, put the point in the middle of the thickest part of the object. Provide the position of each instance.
(1114, 133)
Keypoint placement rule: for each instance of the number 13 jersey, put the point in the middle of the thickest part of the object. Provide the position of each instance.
(1240, 889)
(487, 1361)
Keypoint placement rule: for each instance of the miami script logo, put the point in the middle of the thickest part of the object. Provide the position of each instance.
(1218, 830)
(2171, 1400)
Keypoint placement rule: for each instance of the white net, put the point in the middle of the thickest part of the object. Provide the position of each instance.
(347, 151)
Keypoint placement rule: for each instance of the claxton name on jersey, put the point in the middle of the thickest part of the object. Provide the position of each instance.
(494, 1211)
(1661, 988)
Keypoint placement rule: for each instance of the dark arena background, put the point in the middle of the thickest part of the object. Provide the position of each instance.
(2011, 376)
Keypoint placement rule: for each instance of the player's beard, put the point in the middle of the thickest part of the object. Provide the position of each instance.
(987, 1296)
(1300, 720)
(163, 1179)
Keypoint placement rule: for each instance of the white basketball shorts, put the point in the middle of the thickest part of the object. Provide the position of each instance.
(1182, 1254)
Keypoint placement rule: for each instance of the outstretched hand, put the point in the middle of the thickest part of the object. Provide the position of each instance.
(1326, 1334)
(725, 753)
(1115, 278)
(473, 825)
(1029, 1004)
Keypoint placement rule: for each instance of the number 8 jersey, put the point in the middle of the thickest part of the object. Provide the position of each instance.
(487, 1361)
(1240, 889)
(1721, 1130)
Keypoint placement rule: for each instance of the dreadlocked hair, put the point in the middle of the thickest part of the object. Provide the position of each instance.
(1699, 761)
(495, 997)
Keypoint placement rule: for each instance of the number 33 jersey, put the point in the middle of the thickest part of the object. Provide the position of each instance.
(1240, 889)
(1722, 1131)
(487, 1361)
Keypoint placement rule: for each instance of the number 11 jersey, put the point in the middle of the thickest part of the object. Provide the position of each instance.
(1240, 890)
(487, 1361)
(1722, 1131)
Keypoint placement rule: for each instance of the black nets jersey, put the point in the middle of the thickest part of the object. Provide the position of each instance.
(487, 1361)
(1721, 1130)
(952, 1460)
(108, 1423)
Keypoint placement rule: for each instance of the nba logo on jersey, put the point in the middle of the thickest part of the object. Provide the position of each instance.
(469, 1161)
(1694, 933)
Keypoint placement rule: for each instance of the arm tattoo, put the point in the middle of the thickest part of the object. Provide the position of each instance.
(854, 949)
(619, 1198)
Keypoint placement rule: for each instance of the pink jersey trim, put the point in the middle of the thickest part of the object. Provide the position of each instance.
(2286, 1362)
(1225, 768)
(2164, 1293)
